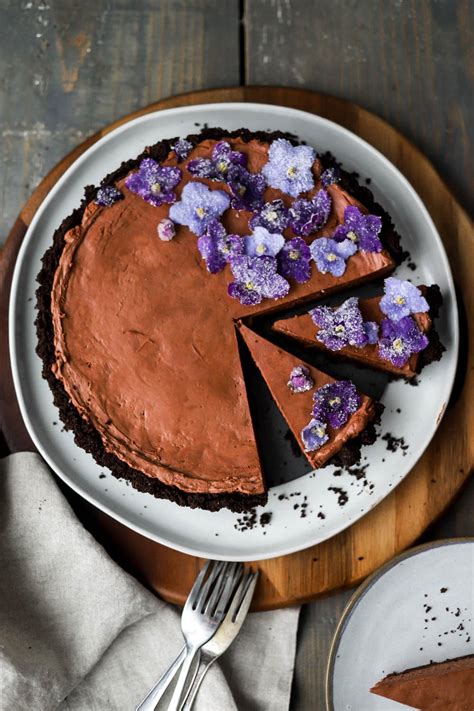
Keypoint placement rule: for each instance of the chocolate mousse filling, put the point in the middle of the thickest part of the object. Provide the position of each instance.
(137, 338)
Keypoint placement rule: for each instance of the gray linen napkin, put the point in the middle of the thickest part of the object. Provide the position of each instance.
(77, 632)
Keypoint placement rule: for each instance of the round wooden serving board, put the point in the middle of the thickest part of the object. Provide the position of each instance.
(425, 493)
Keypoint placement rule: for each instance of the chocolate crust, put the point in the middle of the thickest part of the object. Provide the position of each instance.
(350, 453)
(85, 435)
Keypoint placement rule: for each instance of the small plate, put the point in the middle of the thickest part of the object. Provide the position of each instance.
(221, 534)
(416, 609)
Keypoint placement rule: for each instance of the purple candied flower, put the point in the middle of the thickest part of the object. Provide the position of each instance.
(400, 339)
(340, 327)
(217, 166)
(314, 435)
(256, 278)
(247, 188)
(199, 206)
(401, 299)
(262, 243)
(294, 260)
(182, 148)
(289, 167)
(154, 183)
(372, 332)
(272, 215)
(217, 247)
(330, 176)
(362, 230)
(335, 402)
(307, 216)
(107, 195)
(166, 229)
(330, 256)
(300, 379)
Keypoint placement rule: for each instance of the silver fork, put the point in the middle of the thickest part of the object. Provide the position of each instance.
(202, 615)
(225, 635)
(197, 597)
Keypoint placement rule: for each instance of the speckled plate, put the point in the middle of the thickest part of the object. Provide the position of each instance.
(219, 535)
(416, 609)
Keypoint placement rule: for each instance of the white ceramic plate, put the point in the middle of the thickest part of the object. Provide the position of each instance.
(416, 609)
(214, 534)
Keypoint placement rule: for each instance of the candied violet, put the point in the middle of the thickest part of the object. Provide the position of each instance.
(198, 207)
(307, 216)
(294, 260)
(218, 165)
(271, 215)
(300, 379)
(314, 435)
(107, 195)
(362, 230)
(402, 298)
(330, 176)
(330, 256)
(154, 183)
(400, 339)
(262, 243)
(335, 402)
(217, 247)
(340, 327)
(256, 278)
(247, 188)
(182, 148)
(166, 229)
(289, 167)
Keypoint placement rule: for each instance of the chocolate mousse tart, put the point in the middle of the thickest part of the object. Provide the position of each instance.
(439, 686)
(394, 332)
(142, 287)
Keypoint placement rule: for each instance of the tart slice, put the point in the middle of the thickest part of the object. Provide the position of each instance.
(393, 332)
(444, 686)
(330, 419)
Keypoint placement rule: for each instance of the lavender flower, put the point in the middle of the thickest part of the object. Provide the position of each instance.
(400, 339)
(217, 166)
(294, 260)
(166, 229)
(330, 176)
(256, 278)
(289, 167)
(272, 215)
(362, 230)
(335, 402)
(154, 183)
(217, 247)
(314, 435)
(199, 206)
(401, 299)
(329, 255)
(340, 327)
(107, 195)
(182, 148)
(262, 243)
(300, 379)
(247, 188)
(307, 216)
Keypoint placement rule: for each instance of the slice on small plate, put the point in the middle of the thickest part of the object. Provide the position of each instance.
(329, 418)
(393, 332)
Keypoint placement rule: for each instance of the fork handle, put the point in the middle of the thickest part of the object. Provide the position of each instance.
(154, 695)
(202, 671)
(178, 697)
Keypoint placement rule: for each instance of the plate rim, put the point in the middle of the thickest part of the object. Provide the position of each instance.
(360, 593)
(96, 146)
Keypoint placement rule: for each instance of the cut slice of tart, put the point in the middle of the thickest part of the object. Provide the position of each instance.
(374, 331)
(329, 419)
(444, 686)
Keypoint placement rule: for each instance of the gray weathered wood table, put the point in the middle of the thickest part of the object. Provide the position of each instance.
(69, 67)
